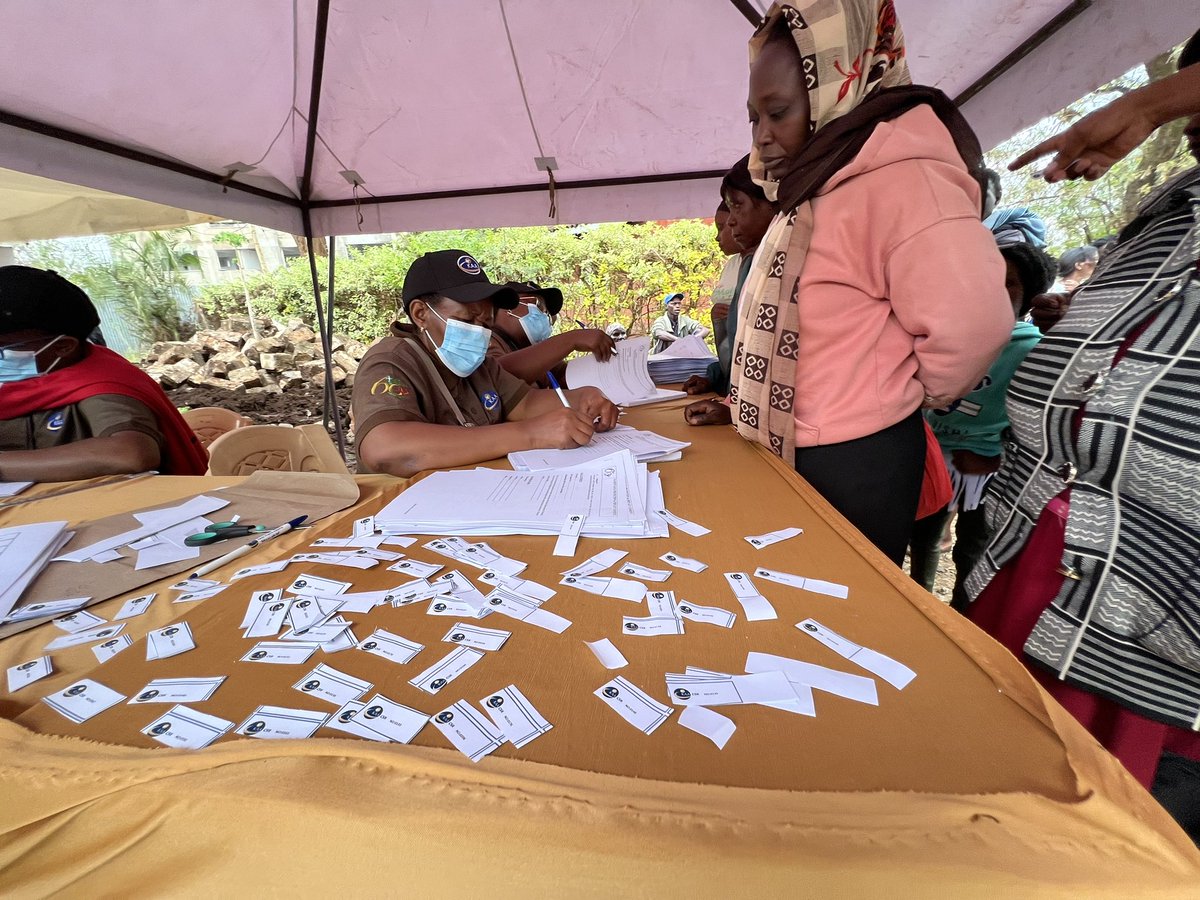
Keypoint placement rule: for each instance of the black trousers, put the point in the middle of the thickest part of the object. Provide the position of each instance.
(874, 481)
(971, 536)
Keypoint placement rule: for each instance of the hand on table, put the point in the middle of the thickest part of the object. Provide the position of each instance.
(697, 384)
(599, 409)
(707, 412)
(595, 342)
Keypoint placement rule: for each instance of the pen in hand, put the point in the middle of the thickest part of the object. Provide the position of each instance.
(557, 389)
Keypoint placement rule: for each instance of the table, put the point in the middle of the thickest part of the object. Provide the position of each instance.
(970, 777)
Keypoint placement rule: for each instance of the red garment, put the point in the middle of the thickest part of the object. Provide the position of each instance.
(936, 488)
(1008, 609)
(104, 372)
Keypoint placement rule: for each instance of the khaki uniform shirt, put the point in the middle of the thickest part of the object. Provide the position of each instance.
(99, 416)
(393, 385)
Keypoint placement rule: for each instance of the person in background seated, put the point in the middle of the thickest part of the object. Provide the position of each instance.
(673, 324)
(522, 341)
(69, 409)
(428, 396)
(750, 214)
(971, 431)
(1075, 267)
(616, 331)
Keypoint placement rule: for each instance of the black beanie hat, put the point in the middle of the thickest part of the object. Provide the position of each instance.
(43, 300)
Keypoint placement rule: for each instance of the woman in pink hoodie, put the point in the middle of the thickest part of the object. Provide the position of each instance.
(877, 290)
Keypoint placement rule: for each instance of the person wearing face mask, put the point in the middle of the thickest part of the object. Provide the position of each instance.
(522, 341)
(72, 410)
(429, 396)
(845, 332)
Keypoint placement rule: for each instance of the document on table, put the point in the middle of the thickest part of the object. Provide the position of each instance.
(24, 552)
(150, 523)
(646, 446)
(624, 378)
(12, 488)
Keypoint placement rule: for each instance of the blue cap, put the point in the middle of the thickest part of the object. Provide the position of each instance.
(667, 299)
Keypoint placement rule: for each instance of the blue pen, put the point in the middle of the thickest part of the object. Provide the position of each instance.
(557, 389)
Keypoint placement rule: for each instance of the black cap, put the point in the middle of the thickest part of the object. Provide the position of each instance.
(42, 300)
(552, 297)
(454, 274)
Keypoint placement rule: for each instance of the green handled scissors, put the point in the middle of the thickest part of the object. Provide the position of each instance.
(221, 531)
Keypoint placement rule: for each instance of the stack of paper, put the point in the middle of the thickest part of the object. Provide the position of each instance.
(684, 358)
(624, 379)
(617, 496)
(646, 446)
(24, 552)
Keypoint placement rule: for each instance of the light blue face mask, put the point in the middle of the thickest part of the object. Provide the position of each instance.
(464, 346)
(21, 365)
(535, 323)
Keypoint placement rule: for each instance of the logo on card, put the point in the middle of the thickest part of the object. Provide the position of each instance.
(346, 716)
(147, 695)
(167, 632)
(370, 645)
(809, 626)
(255, 727)
(373, 712)
(108, 644)
(161, 728)
(468, 264)
(310, 685)
(56, 421)
(445, 717)
(631, 626)
(458, 636)
(438, 683)
(685, 609)
(439, 607)
(682, 693)
(276, 607)
(300, 582)
(258, 654)
(75, 691)
(495, 702)
(490, 400)
(611, 692)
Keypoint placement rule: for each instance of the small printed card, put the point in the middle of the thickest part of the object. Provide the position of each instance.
(683, 562)
(169, 641)
(636, 571)
(477, 637)
(178, 690)
(391, 646)
(759, 541)
(135, 606)
(82, 700)
(633, 704)
(279, 653)
(110, 648)
(280, 722)
(311, 584)
(710, 615)
(754, 605)
(446, 669)
(186, 728)
(391, 720)
(28, 672)
(468, 730)
(514, 716)
(329, 684)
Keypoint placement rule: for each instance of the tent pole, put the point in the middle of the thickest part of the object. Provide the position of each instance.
(331, 402)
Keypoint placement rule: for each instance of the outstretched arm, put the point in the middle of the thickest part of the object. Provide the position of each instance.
(533, 362)
(122, 453)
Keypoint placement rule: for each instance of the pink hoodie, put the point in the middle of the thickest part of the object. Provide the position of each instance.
(902, 293)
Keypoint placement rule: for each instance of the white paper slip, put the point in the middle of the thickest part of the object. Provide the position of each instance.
(415, 568)
(705, 690)
(759, 541)
(380, 555)
(188, 729)
(281, 722)
(111, 555)
(317, 634)
(268, 618)
(82, 700)
(283, 654)
(332, 542)
(829, 588)
(398, 540)
(608, 654)
(683, 562)
(479, 638)
(468, 730)
(178, 690)
(755, 606)
(42, 610)
(620, 588)
(203, 594)
(261, 569)
(633, 704)
(453, 547)
(413, 592)
(832, 681)
(135, 606)
(661, 604)
(257, 600)
(446, 669)
(514, 716)
(345, 640)
(110, 648)
(346, 719)
(568, 537)
(683, 524)
(169, 641)
(195, 584)
(364, 527)
(328, 683)
(709, 615)
(72, 623)
(391, 646)
(86, 637)
(598, 563)
(522, 586)
(453, 606)
(482, 556)
(893, 672)
(311, 584)
(28, 672)
(636, 571)
(652, 626)
(12, 488)
(712, 725)
(526, 610)
(311, 611)
(390, 720)
(350, 559)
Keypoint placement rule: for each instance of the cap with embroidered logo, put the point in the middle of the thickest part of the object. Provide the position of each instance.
(457, 275)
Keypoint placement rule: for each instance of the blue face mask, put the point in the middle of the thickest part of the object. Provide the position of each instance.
(464, 346)
(535, 323)
(21, 365)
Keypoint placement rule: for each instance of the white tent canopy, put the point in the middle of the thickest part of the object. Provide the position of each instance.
(442, 109)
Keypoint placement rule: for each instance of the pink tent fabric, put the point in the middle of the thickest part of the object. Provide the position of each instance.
(445, 107)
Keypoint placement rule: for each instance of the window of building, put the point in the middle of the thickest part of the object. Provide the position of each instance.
(227, 260)
(290, 252)
(249, 259)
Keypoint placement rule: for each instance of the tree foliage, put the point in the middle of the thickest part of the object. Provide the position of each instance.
(1079, 212)
(608, 273)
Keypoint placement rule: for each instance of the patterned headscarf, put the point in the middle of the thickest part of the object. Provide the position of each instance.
(849, 50)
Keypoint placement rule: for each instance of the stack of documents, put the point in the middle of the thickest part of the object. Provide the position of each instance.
(616, 495)
(24, 552)
(624, 379)
(646, 446)
(684, 358)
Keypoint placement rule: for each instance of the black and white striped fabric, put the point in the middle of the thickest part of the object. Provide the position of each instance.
(1126, 623)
